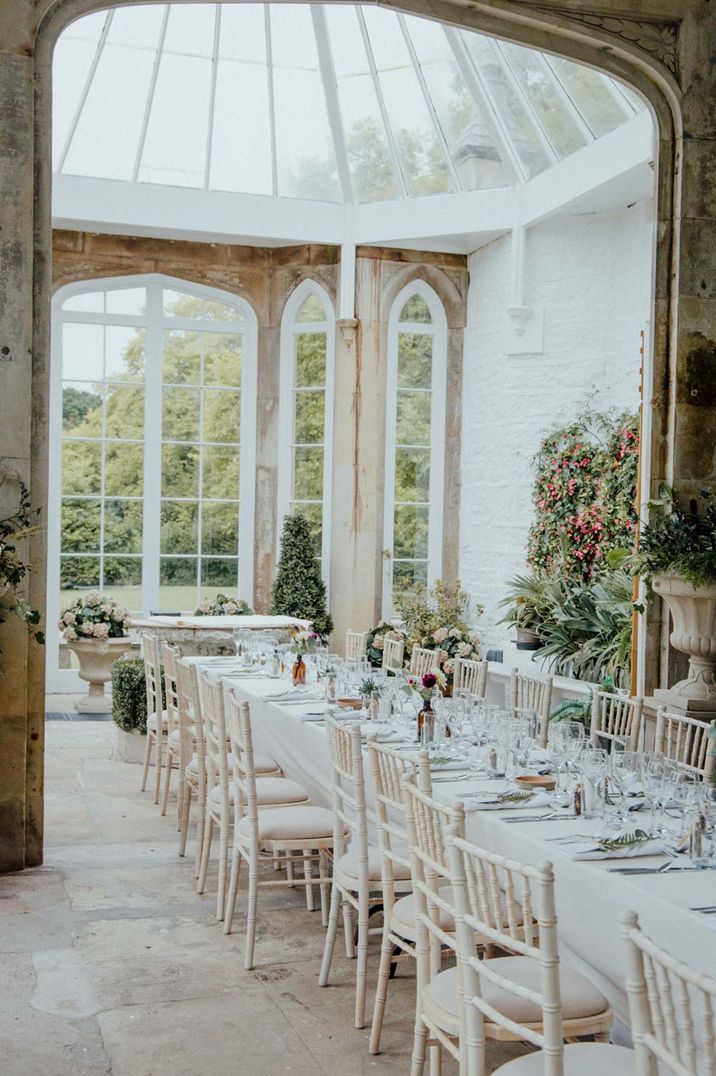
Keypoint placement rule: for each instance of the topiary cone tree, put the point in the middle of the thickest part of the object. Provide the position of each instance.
(298, 589)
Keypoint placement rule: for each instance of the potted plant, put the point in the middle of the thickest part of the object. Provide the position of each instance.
(525, 605)
(436, 621)
(129, 708)
(677, 558)
(95, 629)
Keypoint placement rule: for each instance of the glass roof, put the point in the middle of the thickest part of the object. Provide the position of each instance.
(333, 103)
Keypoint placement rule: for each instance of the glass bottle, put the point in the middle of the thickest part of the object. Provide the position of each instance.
(299, 671)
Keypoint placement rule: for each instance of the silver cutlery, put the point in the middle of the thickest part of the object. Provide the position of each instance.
(552, 816)
(708, 909)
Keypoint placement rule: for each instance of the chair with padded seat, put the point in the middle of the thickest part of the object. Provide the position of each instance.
(193, 780)
(156, 713)
(355, 645)
(175, 756)
(616, 721)
(393, 654)
(271, 791)
(357, 873)
(502, 914)
(423, 660)
(531, 693)
(470, 674)
(262, 834)
(685, 740)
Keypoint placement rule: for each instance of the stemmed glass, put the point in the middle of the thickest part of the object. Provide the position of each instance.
(625, 771)
(656, 773)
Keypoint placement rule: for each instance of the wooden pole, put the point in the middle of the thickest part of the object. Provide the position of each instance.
(635, 587)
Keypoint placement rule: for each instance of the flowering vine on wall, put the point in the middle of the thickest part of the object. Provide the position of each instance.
(584, 495)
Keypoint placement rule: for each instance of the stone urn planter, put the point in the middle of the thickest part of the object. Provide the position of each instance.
(693, 614)
(95, 657)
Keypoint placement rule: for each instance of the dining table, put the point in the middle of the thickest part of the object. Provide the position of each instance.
(591, 894)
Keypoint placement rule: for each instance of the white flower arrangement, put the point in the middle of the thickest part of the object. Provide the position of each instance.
(222, 605)
(305, 641)
(94, 616)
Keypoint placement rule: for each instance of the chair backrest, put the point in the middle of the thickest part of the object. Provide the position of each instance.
(389, 768)
(355, 644)
(509, 906)
(423, 661)
(671, 1009)
(685, 740)
(350, 821)
(170, 656)
(616, 718)
(153, 674)
(190, 719)
(532, 693)
(238, 724)
(427, 822)
(211, 700)
(470, 674)
(393, 654)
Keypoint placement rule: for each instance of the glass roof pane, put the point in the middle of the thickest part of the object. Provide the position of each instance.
(421, 157)
(367, 146)
(508, 104)
(241, 154)
(600, 107)
(544, 96)
(73, 57)
(175, 145)
(475, 155)
(305, 153)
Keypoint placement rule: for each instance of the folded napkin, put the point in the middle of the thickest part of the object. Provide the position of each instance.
(504, 801)
(616, 847)
(295, 694)
(314, 715)
(450, 764)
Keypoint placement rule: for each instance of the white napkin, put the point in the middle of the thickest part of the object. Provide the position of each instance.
(314, 715)
(295, 694)
(589, 849)
(453, 764)
(490, 801)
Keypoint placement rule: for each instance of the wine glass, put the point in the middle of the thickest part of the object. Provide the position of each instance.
(625, 772)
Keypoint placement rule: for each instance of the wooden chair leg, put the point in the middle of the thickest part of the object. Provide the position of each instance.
(348, 930)
(251, 915)
(362, 968)
(168, 766)
(147, 759)
(420, 1039)
(184, 819)
(233, 890)
(158, 759)
(223, 857)
(308, 875)
(324, 885)
(289, 869)
(200, 827)
(381, 993)
(330, 936)
(208, 833)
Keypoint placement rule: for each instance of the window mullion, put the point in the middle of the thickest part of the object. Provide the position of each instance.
(154, 342)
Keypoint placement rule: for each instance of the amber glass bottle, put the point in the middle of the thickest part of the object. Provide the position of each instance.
(299, 671)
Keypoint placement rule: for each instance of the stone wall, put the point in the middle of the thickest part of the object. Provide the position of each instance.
(591, 278)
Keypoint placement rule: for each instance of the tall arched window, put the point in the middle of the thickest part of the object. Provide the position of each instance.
(153, 425)
(306, 413)
(414, 441)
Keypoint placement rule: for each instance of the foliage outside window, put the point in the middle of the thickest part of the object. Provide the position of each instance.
(13, 569)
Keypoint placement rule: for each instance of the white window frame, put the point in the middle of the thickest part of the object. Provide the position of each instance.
(154, 323)
(290, 328)
(437, 330)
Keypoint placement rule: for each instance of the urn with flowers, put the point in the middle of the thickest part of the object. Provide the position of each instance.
(95, 629)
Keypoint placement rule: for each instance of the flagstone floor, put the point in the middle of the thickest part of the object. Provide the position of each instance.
(111, 962)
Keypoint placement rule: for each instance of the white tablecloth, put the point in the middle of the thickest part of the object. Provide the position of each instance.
(224, 623)
(590, 899)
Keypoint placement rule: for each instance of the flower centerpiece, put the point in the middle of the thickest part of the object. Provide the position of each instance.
(222, 605)
(425, 687)
(375, 642)
(436, 621)
(305, 641)
(95, 629)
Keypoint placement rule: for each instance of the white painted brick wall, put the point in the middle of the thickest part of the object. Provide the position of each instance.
(592, 276)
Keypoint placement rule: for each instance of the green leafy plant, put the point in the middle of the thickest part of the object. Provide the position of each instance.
(436, 621)
(298, 589)
(375, 641)
(526, 602)
(129, 694)
(369, 687)
(222, 605)
(627, 839)
(580, 709)
(13, 567)
(676, 541)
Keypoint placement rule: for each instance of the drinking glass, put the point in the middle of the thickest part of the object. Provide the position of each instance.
(625, 772)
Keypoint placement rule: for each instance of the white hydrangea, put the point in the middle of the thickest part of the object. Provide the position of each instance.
(230, 608)
(100, 631)
(69, 617)
(69, 634)
(92, 598)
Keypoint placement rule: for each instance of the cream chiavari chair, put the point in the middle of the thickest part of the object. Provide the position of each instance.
(172, 757)
(671, 1009)
(222, 785)
(617, 719)
(193, 782)
(393, 654)
(357, 872)
(470, 674)
(389, 768)
(262, 835)
(156, 714)
(355, 645)
(684, 740)
(423, 661)
(532, 693)
(528, 996)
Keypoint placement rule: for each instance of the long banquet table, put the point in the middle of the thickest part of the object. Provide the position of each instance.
(590, 899)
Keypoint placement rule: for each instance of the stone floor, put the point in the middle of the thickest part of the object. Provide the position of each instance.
(111, 962)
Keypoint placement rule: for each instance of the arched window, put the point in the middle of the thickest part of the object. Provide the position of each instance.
(414, 442)
(306, 413)
(153, 428)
